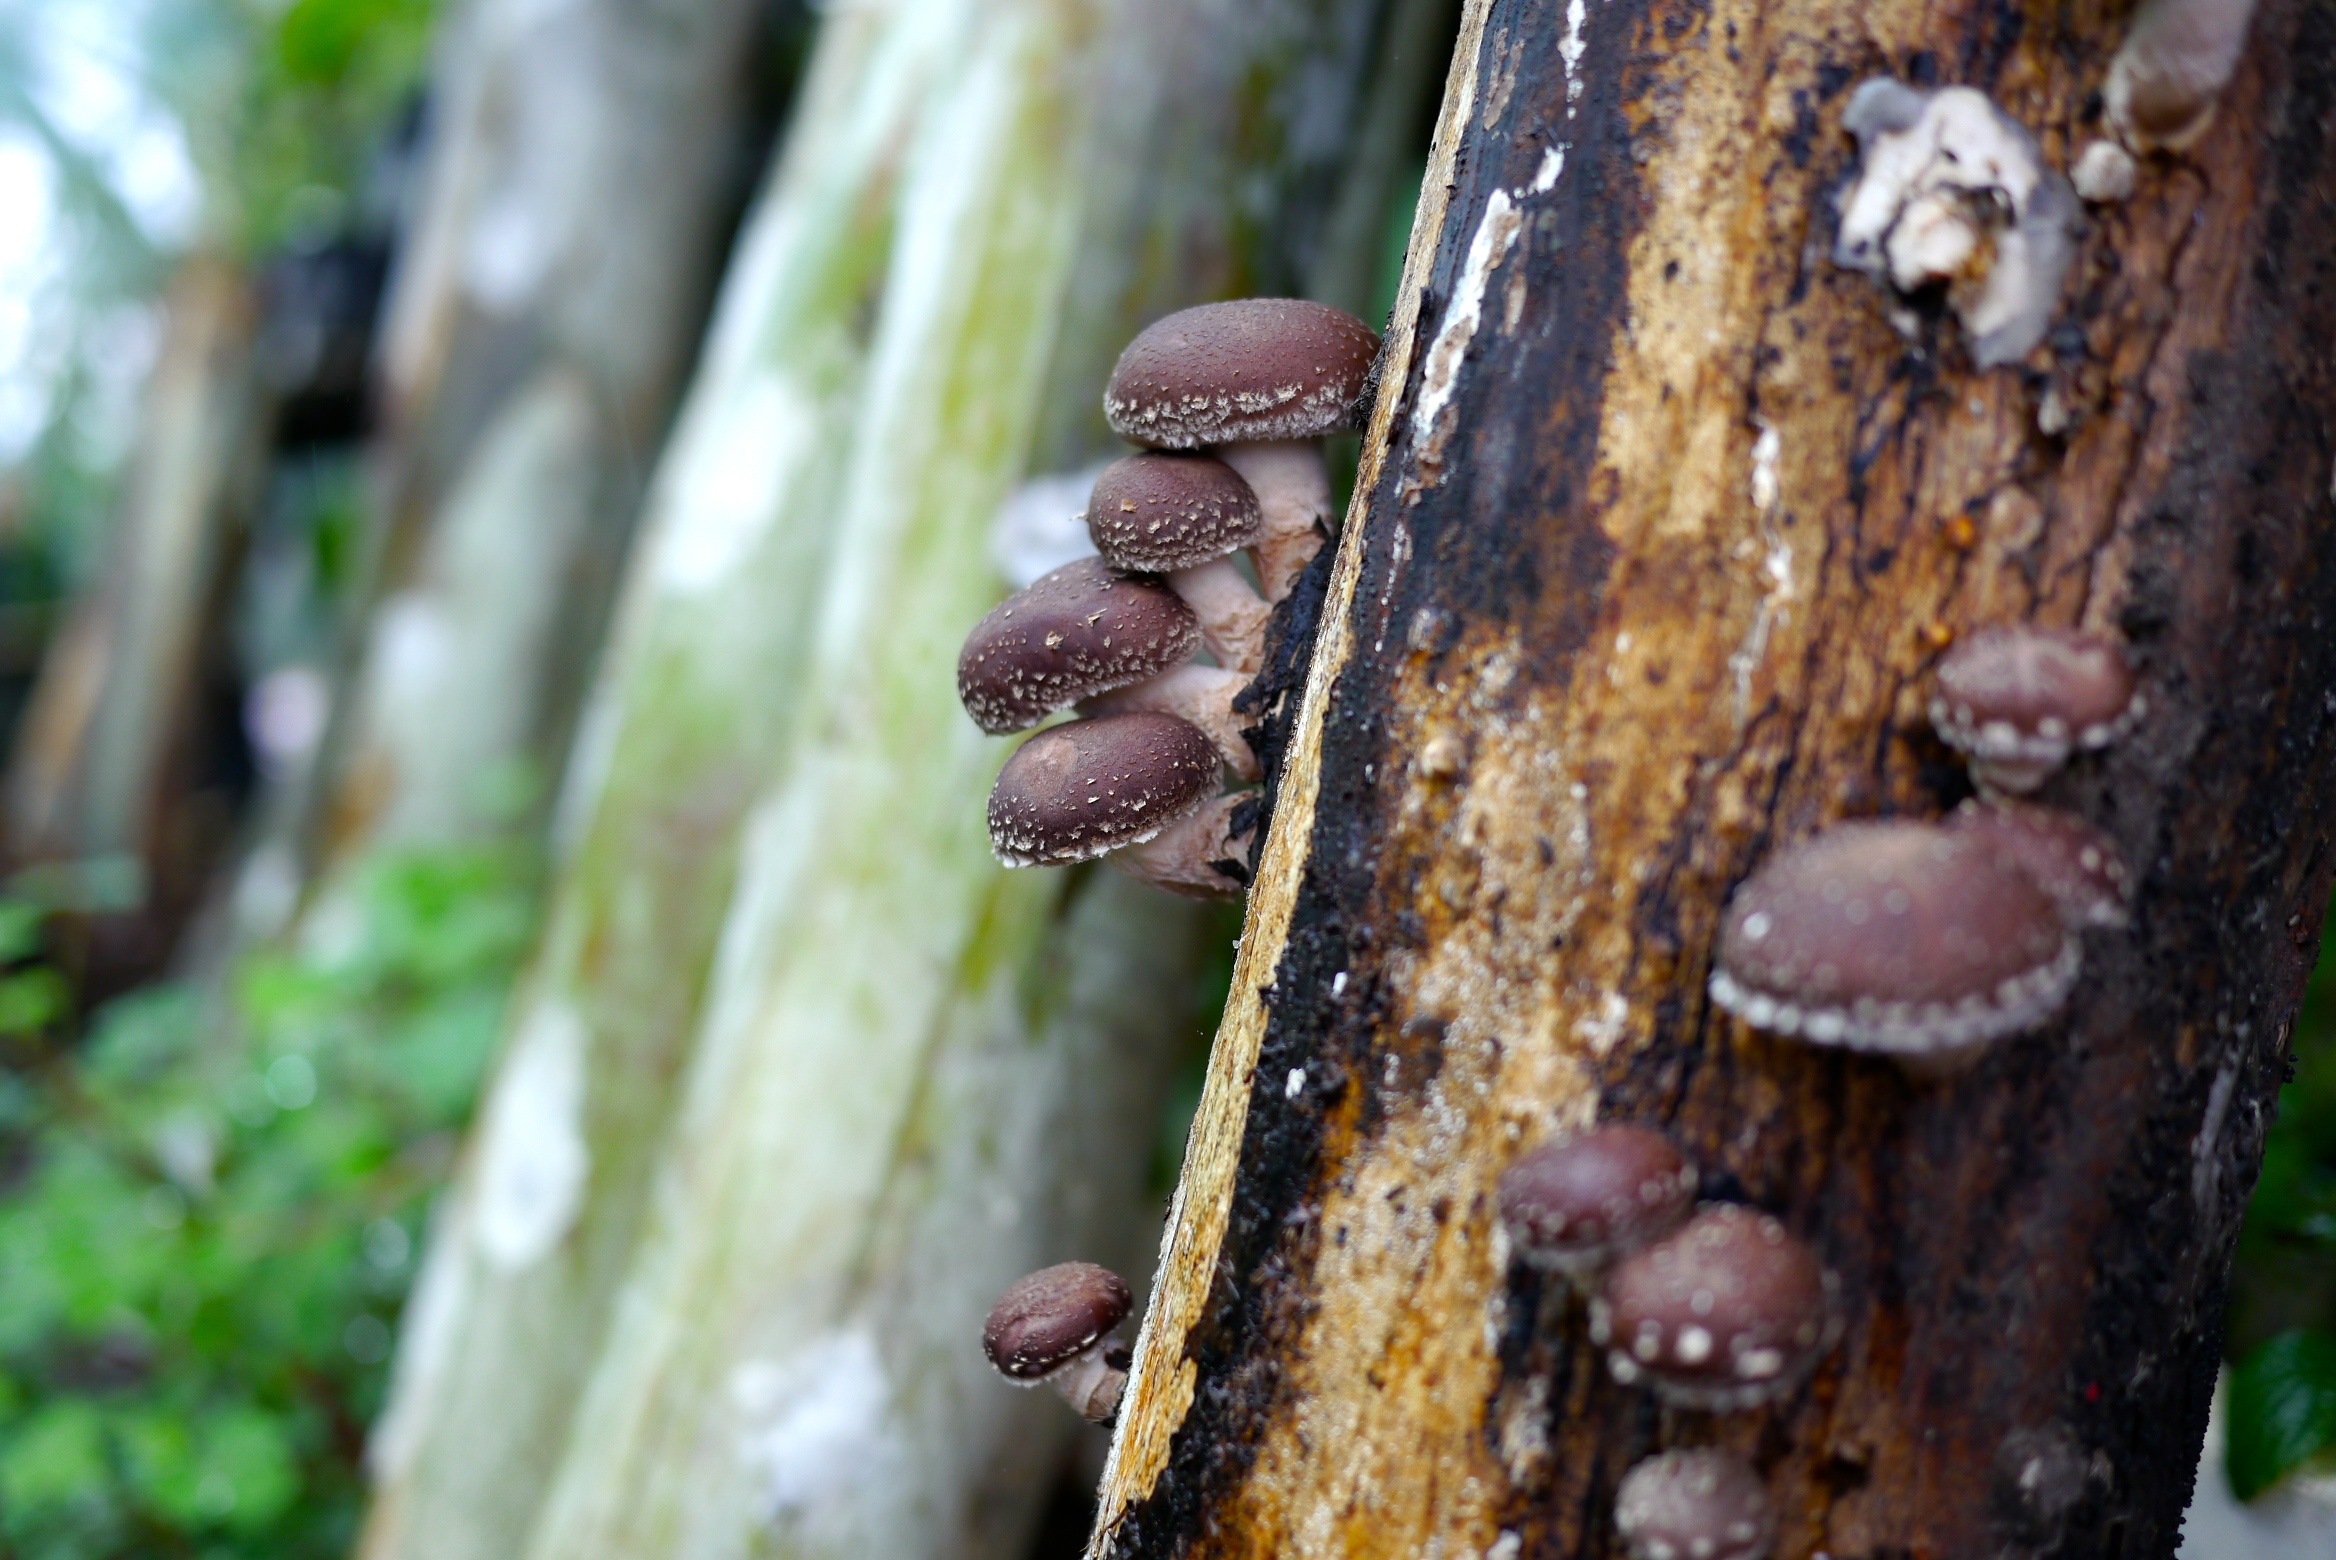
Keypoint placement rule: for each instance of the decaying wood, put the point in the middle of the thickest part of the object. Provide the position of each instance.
(1662, 525)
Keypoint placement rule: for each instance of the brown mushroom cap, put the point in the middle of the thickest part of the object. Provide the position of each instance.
(1905, 938)
(1228, 373)
(2067, 857)
(1729, 1311)
(2018, 700)
(1076, 791)
(1703, 1504)
(1159, 512)
(1572, 1204)
(1072, 634)
(1050, 1318)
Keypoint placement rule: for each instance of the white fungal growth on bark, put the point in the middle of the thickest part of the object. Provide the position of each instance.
(532, 1159)
(2174, 64)
(2104, 173)
(1042, 525)
(1952, 190)
(735, 457)
(1496, 232)
(814, 1428)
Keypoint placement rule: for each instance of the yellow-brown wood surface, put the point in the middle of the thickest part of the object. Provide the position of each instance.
(1662, 524)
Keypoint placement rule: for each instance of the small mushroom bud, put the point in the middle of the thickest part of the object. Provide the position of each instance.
(1259, 381)
(1056, 1326)
(1204, 855)
(1704, 1504)
(1575, 1204)
(2176, 59)
(1908, 939)
(1184, 516)
(2017, 700)
(1728, 1312)
(1076, 791)
(2067, 857)
(1079, 631)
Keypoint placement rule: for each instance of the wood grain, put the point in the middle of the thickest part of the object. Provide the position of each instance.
(1661, 525)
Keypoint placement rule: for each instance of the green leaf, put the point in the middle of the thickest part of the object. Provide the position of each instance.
(20, 929)
(54, 1458)
(2281, 1411)
(31, 1000)
(226, 1468)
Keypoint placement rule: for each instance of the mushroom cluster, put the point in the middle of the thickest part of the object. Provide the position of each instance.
(1231, 402)
(1929, 941)
(1717, 1308)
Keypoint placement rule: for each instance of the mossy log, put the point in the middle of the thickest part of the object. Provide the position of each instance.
(1664, 520)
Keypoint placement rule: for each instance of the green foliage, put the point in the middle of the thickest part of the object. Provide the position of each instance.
(2281, 1407)
(215, 1220)
(2282, 1410)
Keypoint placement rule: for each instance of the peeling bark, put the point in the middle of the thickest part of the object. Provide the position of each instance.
(1660, 529)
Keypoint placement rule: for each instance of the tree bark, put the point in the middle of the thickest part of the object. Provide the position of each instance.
(1660, 529)
(901, 1075)
(103, 778)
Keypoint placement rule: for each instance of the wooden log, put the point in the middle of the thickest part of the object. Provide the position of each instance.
(1661, 529)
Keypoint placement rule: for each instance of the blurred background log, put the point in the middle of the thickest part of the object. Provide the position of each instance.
(586, 166)
(901, 1075)
(124, 782)
(1660, 528)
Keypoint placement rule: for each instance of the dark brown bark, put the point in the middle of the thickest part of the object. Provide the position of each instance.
(1589, 656)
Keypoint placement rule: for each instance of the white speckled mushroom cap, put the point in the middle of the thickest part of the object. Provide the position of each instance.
(1699, 1504)
(2017, 700)
(1048, 1319)
(1072, 634)
(1230, 373)
(1158, 511)
(1904, 938)
(2071, 860)
(1079, 790)
(1572, 1204)
(1727, 1312)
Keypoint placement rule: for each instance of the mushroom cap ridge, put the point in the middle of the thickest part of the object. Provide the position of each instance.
(1698, 1504)
(1900, 937)
(2020, 695)
(2071, 860)
(1051, 1317)
(1728, 1311)
(1071, 634)
(1156, 511)
(1251, 369)
(1571, 1203)
(1078, 790)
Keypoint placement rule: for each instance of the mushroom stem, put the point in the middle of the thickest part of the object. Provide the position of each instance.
(1232, 614)
(1183, 858)
(1093, 1382)
(1200, 694)
(1293, 494)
